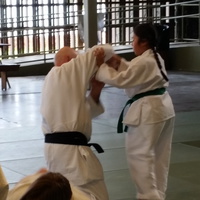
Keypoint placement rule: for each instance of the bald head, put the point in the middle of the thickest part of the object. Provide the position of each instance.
(64, 55)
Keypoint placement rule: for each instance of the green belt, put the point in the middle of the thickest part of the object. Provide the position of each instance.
(158, 91)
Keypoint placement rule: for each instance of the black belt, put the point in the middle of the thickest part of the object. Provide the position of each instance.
(71, 138)
(158, 91)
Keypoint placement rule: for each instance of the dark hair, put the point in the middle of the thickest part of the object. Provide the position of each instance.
(147, 32)
(50, 186)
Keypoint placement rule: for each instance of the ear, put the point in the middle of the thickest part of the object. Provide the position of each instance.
(145, 43)
(67, 58)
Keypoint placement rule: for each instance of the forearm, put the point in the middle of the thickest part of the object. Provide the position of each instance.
(95, 92)
(96, 109)
(94, 97)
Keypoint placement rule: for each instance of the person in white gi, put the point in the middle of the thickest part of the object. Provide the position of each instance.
(67, 113)
(44, 184)
(150, 117)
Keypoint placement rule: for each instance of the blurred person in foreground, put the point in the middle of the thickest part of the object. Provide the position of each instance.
(4, 186)
(44, 185)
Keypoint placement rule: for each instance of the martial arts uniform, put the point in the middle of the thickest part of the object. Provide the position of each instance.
(23, 185)
(150, 122)
(65, 108)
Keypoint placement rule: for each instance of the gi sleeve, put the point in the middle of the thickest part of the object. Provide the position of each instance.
(130, 74)
(96, 109)
(108, 50)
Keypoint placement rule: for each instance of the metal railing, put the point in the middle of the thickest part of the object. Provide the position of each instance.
(186, 19)
(45, 34)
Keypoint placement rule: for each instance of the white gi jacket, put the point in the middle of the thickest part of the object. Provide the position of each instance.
(64, 105)
(140, 75)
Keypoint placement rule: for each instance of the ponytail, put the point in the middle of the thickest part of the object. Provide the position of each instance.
(159, 64)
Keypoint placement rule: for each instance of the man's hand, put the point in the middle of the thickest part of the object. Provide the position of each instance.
(100, 55)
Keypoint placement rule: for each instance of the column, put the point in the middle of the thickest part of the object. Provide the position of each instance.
(90, 23)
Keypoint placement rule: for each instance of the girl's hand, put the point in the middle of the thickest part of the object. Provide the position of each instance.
(100, 55)
(114, 62)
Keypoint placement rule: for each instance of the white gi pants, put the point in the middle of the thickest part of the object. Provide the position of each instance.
(148, 149)
(80, 166)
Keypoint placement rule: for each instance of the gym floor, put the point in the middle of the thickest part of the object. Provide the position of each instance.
(21, 139)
